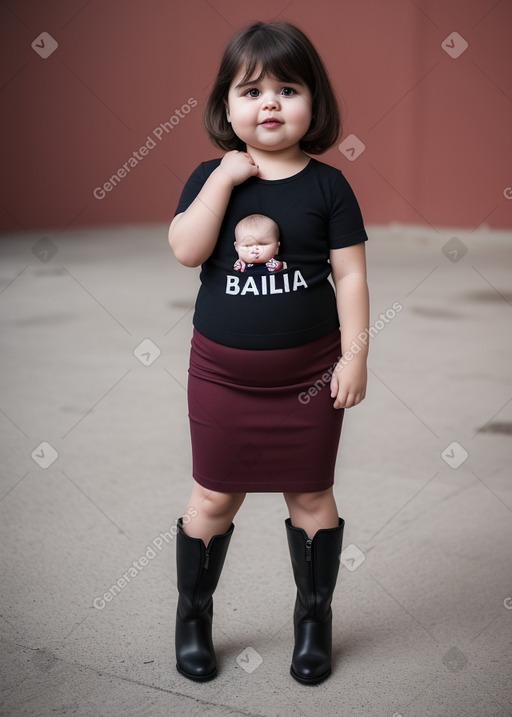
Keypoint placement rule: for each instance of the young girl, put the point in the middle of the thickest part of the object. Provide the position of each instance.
(258, 349)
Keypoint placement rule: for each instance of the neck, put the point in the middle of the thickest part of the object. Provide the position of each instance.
(280, 163)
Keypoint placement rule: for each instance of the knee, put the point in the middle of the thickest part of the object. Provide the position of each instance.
(217, 505)
(308, 502)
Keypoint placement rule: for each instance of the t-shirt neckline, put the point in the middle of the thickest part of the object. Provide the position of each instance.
(291, 178)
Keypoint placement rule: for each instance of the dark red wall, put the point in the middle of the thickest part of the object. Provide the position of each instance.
(437, 130)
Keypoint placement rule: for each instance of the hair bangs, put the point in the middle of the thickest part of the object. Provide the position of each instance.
(273, 60)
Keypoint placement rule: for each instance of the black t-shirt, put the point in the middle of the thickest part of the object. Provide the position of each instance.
(277, 305)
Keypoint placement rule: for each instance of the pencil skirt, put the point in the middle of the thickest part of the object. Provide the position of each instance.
(263, 420)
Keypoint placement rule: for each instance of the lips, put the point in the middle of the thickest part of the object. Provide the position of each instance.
(271, 123)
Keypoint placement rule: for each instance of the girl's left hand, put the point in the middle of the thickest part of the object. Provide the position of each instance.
(348, 383)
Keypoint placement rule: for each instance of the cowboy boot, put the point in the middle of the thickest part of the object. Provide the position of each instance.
(198, 569)
(315, 564)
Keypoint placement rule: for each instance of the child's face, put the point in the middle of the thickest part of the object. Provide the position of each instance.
(269, 115)
(258, 247)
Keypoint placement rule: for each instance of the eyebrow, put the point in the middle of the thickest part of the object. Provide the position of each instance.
(258, 81)
(244, 84)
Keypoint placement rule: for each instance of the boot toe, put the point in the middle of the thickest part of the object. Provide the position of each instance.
(197, 663)
(311, 661)
(310, 671)
(197, 671)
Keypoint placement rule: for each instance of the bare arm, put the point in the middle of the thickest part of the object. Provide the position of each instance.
(348, 384)
(193, 233)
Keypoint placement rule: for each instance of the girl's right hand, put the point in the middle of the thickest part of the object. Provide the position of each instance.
(238, 166)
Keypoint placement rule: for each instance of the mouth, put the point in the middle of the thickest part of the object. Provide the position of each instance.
(271, 123)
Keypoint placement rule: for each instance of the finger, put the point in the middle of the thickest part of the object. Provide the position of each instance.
(354, 399)
(350, 400)
(334, 386)
(341, 400)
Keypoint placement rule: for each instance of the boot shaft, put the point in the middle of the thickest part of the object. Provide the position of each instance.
(199, 567)
(315, 563)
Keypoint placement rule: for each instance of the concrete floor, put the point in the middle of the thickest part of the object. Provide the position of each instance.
(96, 468)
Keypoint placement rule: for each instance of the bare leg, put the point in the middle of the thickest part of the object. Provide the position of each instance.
(312, 511)
(212, 512)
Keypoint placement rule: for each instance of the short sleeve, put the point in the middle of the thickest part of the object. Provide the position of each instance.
(346, 225)
(194, 184)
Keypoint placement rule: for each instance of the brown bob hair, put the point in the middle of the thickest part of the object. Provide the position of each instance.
(285, 53)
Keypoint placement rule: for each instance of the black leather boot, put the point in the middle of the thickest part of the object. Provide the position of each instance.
(198, 568)
(315, 565)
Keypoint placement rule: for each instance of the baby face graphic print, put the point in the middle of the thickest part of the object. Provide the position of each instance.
(257, 244)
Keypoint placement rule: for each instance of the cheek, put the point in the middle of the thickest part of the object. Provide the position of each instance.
(242, 115)
(305, 116)
(302, 113)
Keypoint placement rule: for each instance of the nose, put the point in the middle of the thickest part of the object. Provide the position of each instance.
(270, 101)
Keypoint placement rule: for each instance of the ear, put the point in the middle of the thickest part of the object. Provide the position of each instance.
(227, 112)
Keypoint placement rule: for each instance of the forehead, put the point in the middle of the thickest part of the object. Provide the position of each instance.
(251, 73)
(256, 237)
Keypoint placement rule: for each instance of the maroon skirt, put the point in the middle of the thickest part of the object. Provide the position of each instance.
(263, 420)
